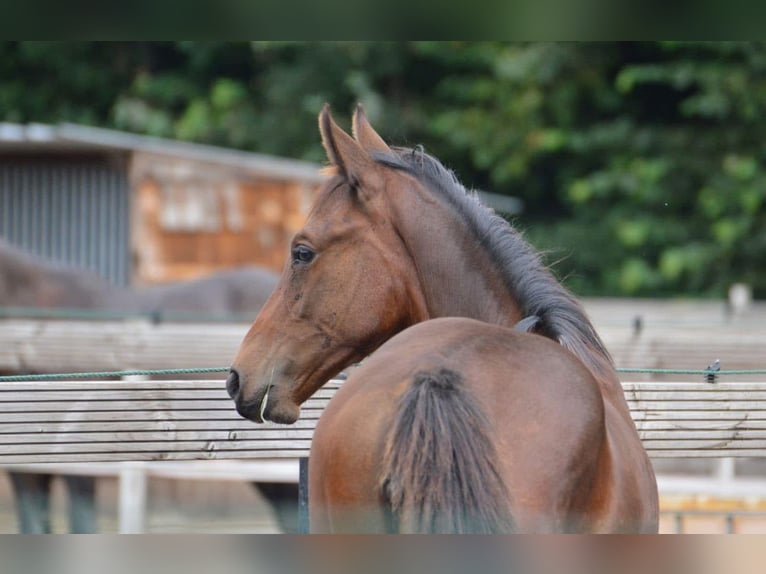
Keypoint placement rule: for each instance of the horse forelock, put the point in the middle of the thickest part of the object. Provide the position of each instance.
(532, 284)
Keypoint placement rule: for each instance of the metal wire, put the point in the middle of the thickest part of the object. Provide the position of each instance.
(106, 315)
(203, 370)
(100, 374)
(702, 372)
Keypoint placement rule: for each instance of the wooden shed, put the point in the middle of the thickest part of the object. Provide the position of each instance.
(142, 210)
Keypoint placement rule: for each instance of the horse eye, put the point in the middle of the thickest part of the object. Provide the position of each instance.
(302, 254)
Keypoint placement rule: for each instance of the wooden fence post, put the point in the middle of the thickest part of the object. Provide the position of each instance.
(303, 495)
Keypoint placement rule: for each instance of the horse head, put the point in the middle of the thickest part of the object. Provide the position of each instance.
(347, 287)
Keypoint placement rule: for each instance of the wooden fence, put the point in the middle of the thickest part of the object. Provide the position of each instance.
(188, 428)
(96, 421)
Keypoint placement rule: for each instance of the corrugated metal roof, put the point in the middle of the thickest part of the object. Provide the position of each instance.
(73, 137)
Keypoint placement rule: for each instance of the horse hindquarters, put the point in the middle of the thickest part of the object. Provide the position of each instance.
(440, 467)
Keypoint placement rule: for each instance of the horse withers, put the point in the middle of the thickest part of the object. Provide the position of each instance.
(457, 422)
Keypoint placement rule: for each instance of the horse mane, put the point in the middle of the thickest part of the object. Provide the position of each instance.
(533, 285)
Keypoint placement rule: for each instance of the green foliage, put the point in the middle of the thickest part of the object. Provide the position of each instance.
(654, 152)
(641, 165)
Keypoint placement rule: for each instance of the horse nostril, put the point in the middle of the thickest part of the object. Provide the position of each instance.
(232, 384)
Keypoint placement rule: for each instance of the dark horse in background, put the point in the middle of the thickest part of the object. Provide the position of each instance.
(457, 422)
(28, 281)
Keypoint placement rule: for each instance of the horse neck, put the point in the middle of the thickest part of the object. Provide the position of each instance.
(21, 280)
(457, 278)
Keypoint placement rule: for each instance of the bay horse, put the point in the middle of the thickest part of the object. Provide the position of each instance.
(456, 421)
(30, 281)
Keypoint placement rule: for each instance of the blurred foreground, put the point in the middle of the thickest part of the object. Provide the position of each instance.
(174, 506)
(208, 507)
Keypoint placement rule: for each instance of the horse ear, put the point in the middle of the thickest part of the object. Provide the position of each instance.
(367, 137)
(343, 151)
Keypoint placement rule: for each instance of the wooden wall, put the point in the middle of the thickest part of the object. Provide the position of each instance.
(193, 218)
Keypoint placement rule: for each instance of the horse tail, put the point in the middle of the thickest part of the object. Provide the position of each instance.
(440, 468)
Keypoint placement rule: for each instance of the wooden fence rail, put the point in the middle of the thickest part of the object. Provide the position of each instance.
(45, 345)
(97, 421)
(49, 345)
(189, 429)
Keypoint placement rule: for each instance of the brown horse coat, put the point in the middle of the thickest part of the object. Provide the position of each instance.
(394, 240)
(515, 378)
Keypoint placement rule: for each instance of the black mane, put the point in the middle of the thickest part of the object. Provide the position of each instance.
(535, 288)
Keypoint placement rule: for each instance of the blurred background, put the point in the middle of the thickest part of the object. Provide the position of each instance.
(638, 168)
(654, 149)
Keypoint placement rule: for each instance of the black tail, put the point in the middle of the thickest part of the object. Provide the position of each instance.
(440, 466)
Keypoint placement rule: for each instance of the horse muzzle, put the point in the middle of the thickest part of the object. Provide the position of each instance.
(269, 402)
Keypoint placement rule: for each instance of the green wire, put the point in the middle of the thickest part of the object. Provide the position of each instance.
(694, 371)
(202, 370)
(100, 374)
(106, 315)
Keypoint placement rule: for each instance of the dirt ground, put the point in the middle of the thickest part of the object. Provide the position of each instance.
(192, 506)
(173, 506)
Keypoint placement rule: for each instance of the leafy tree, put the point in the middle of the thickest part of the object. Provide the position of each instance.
(644, 160)
(64, 81)
(640, 164)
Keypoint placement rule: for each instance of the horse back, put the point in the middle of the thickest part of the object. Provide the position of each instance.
(538, 411)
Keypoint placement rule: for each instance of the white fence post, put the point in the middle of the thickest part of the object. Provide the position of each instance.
(132, 500)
